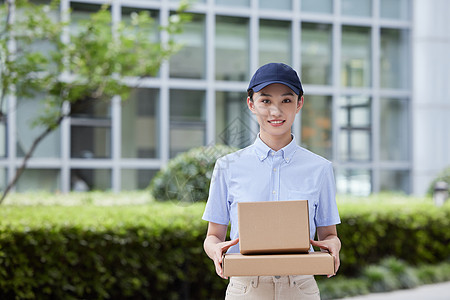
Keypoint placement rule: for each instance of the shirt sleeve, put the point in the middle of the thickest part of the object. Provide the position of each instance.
(217, 210)
(327, 212)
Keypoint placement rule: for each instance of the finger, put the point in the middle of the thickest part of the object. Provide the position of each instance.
(321, 245)
(219, 255)
(228, 244)
(337, 263)
(315, 243)
(219, 269)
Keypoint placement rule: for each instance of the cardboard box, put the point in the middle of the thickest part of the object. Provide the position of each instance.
(273, 227)
(314, 263)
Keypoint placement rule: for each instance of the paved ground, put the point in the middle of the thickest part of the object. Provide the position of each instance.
(439, 291)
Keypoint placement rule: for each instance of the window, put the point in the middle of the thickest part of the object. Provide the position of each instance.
(394, 180)
(317, 125)
(27, 110)
(190, 61)
(356, 8)
(233, 120)
(316, 47)
(233, 3)
(275, 5)
(394, 122)
(356, 57)
(393, 59)
(91, 129)
(232, 48)
(140, 124)
(395, 9)
(3, 131)
(317, 6)
(39, 180)
(3, 140)
(187, 120)
(199, 1)
(127, 15)
(83, 180)
(274, 42)
(3, 178)
(354, 181)
(80, 12)
(42, 46)
(136, 179)
(355, 128)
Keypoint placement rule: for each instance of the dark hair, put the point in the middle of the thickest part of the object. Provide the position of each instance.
(250, 94)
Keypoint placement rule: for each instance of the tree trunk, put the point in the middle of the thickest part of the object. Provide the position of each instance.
(28, 155)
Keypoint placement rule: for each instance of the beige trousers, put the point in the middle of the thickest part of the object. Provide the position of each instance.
(273, 288)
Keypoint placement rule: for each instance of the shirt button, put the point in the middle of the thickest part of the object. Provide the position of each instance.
(273, 192)
(273, 153)
(274, 169)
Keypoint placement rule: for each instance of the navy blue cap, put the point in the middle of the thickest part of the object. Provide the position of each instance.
(275, 73)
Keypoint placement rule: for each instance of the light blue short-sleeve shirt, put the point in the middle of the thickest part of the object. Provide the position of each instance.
(258, 173)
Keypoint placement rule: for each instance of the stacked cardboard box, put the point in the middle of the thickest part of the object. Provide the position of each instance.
(274, 240)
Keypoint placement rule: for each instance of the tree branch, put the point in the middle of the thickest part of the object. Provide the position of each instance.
(28, 155)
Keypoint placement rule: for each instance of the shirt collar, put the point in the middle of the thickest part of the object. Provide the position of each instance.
(263, 151)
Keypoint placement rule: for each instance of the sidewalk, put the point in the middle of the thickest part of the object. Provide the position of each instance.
(438, 291)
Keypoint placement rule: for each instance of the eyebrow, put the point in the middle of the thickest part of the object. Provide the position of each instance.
(269, 95)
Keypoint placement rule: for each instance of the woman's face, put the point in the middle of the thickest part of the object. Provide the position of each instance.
(275, 107)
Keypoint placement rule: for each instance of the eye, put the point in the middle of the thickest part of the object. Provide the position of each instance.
(287, 101)
(265, 101)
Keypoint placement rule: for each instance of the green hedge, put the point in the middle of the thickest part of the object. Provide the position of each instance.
(415, 232)
(121, 252)
(155, 251)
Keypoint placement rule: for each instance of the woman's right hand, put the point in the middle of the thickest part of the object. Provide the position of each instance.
(219, 250)
(215, 245)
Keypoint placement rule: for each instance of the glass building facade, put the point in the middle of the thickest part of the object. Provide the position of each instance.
(353, 57)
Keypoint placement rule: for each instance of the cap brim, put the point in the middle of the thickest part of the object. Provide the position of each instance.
(260, 86)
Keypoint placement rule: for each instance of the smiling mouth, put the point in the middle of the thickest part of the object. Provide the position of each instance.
(277, 122)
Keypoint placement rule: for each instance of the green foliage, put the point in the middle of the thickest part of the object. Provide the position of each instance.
(90, 63)
(94, 59)
(23, 64)
(431, 274)
(415, 232)
(154, 251)
(405, 278)
(187, 176)
(390, 274)
(443, 176)
(340, 287)
(125, 252)
(381, 279)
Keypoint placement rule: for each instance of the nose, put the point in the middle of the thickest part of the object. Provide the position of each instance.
(275, 110)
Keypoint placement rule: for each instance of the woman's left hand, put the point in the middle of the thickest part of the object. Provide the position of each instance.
(329, 241)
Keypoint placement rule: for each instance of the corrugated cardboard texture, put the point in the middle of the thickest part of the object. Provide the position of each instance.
(315, 263)
(273, 227)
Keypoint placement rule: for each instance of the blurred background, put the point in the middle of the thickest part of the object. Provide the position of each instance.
(375, 74)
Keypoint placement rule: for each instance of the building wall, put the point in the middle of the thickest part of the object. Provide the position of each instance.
(355, 61)
(431, 91)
